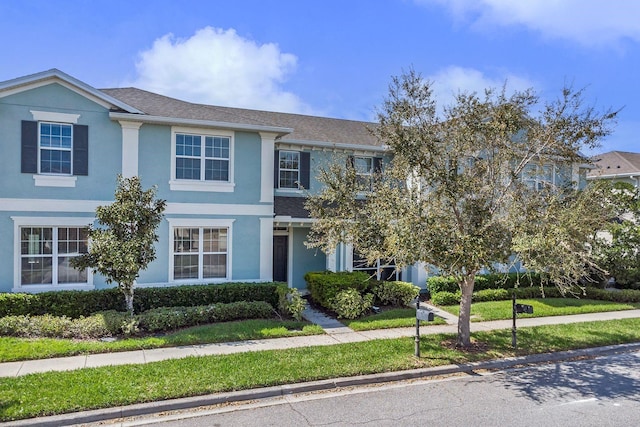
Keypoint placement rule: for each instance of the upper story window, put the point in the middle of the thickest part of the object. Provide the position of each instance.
(289, 163)
(537, 177)
(292, 169)
(202, 160)
(365, 168)
(54, 148)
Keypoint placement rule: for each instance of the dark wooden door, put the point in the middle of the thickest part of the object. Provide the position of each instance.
(280, 250)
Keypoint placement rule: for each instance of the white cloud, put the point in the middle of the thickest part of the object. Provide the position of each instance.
(216, 66)
(588, 22)
(452, 80)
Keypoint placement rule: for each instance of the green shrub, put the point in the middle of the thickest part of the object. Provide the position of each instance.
(446, 298)
(437, 284)
(491, 295)
(171, 318)
(75, 304)
(350, 304)
(398, 294)
(324, 286)
(57, 327)
(290, 302)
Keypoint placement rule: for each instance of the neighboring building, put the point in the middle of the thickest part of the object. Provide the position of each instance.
(618, 166)
(230, 178)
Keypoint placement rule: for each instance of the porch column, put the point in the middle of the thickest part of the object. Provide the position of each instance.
(266, 166)
(130, 133)
(266, 248)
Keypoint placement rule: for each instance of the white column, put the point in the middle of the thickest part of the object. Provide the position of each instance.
(130, 133)
(266, 249)
(266, 167)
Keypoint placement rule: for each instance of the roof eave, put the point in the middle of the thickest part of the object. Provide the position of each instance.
(335, 145)
(174, 121)
(55, 74)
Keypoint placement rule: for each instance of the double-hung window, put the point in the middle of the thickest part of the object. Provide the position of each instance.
(46, 252)
(289, 167)
(365, 168)
(55, 148)
(292, 170)
(537, 177)
(200, 253)
(202, 158)
(202, 161)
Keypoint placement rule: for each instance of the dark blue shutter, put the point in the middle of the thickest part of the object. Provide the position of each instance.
(305, 169)
(377, 164)
(29, 153)
(276, 170)
(80, 150)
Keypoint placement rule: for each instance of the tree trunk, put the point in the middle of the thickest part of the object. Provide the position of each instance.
(127, 290)
(464, 319)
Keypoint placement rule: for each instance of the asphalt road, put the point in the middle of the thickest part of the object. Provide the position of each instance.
(596, 392)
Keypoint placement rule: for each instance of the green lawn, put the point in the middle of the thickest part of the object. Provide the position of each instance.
(14, 349)
(395, 318)
(497, 310)
(60, 392)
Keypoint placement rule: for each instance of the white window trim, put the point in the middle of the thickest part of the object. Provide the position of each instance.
(24, 221)
(50, 116)
(538, 177)
(297, 188)
(44, 180)
(54, 180)
(197, 223)
(193, 185)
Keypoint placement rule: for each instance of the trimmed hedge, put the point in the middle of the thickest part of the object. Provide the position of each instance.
(324, 286)
(451, 298)
(437, 284)
(75, 304)
(110, 323)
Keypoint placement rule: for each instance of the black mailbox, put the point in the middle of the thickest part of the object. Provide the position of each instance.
(524, 308)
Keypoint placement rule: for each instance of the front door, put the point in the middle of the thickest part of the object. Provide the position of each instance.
(280, 250)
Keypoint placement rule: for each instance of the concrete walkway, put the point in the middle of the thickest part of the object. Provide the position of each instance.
(336, 333)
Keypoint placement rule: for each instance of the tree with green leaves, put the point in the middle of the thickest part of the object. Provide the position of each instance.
(123, 243)
(469, 186)
(618, 246)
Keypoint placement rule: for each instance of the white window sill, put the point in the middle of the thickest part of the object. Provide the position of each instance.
(177, 282)
(33, 289)
(289, 190)
(212, 186)
(54, 181)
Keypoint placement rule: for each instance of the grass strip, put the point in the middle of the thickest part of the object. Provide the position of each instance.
(61, 392)
(395, 318)
(544, 307)
(15, 349)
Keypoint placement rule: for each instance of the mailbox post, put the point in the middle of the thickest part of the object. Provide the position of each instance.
(421, 314)
(518, 308)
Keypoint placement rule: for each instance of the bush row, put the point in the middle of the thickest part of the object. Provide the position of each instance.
(437, 284)
(352, 294)
(75, 304)
(113, 323)
(452, 298)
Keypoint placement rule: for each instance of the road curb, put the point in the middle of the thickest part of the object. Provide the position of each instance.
(334, 383)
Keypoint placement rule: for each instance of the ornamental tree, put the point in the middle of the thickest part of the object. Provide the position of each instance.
(469, 186)
(123, 242)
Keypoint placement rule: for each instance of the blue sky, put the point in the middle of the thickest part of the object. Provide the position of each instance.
(333, 57)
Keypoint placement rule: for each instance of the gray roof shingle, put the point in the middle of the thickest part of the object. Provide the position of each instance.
(305, 128)
(615, 163)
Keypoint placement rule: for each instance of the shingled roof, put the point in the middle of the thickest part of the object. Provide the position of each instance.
(305, 128)
(615, 163)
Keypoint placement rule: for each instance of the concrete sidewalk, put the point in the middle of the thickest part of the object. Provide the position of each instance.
(336, 333)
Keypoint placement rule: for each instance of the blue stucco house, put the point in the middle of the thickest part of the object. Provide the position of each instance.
(231, 178)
